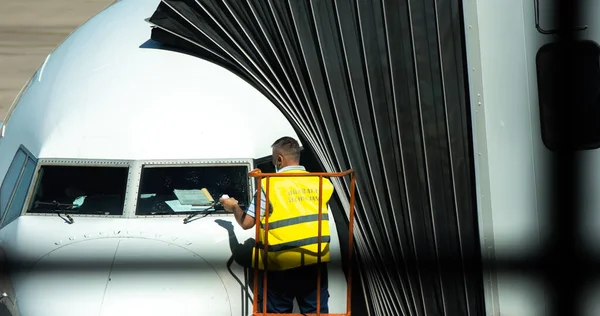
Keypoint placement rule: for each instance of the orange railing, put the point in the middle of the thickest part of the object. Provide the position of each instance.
(256, 173)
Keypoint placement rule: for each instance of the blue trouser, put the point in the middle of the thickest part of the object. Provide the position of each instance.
(299, 283)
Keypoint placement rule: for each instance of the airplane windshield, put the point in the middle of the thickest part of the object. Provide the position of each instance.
(171, 190)
(91, 190)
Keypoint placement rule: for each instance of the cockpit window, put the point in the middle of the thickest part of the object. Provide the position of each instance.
(171, 190)
(90, 190)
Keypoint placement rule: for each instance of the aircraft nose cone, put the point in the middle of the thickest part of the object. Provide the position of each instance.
(122, 277)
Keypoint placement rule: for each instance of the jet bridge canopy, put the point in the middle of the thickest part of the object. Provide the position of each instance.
(379, 87)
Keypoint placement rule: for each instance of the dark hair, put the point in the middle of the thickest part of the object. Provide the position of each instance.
(287, 146)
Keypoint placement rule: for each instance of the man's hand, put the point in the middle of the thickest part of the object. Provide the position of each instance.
(229, 204)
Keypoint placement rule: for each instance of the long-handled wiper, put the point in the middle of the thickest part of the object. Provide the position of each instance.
(60, 208)
(205, 211)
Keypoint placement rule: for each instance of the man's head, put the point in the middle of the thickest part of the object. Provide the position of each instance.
(286, 152)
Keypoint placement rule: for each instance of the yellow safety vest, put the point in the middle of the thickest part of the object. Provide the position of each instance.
(293, 222)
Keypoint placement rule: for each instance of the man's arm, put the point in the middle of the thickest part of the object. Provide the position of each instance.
(246, 219)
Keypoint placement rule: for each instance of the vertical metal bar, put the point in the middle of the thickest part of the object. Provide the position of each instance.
(350, 243)
(319, 246)
(265, 256)
(256, 238)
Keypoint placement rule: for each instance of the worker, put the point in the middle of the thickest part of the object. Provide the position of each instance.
(292, 260)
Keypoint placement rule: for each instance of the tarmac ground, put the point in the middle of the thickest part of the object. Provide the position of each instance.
(29, 31)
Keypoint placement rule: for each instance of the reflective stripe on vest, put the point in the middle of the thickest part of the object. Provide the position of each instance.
(293, 222)
(295, 244)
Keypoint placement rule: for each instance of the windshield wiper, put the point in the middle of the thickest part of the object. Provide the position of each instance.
(60, 208)
(205, 211)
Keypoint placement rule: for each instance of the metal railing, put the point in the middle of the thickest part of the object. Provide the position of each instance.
(258, 175)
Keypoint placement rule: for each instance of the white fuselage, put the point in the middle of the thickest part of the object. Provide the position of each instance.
(107, 98)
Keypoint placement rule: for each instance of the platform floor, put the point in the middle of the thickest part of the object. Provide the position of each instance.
(29, 31)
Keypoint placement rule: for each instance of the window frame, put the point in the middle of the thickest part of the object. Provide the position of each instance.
(264, 160)
(79, 163)
(135, 168)
(28, 156)
(249, 163)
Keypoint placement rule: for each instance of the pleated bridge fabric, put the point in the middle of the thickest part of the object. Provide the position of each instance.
(378, 86)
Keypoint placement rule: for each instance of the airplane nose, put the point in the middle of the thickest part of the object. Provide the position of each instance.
(127, 276)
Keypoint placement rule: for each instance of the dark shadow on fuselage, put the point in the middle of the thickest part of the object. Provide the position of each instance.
(4, 310)
(242, 255)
